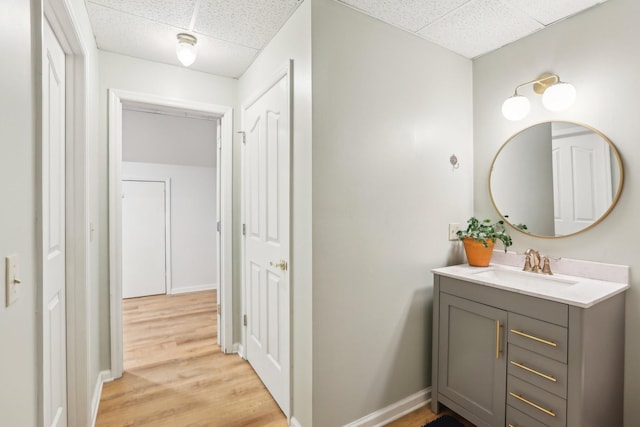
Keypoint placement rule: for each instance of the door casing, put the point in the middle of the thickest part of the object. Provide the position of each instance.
(116, 99)
(65, 26)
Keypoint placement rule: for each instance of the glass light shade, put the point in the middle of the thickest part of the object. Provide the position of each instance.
(559, 96)
(515, 107)
(186, 50)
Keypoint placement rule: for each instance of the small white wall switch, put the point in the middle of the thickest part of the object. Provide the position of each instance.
(12, 279)
(453, 229)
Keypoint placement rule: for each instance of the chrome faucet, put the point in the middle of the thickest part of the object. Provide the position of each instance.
(535, 268)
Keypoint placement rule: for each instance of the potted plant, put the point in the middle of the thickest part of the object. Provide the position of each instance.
(479, 238)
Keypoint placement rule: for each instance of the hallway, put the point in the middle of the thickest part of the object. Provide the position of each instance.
(175, 374)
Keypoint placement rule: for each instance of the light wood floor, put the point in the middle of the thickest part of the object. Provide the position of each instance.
(176, 375)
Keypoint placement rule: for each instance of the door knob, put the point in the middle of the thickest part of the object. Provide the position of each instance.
(281, 265)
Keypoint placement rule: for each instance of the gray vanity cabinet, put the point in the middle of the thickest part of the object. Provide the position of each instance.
(473, 369)
(505, 359)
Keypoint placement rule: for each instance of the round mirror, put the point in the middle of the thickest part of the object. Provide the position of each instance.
(555, 179)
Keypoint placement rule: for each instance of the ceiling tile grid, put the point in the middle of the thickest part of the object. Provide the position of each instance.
(141, 38)
(412, 15)
(480, 26)
(549, 11)
(231, 32)
(249, 23)
(177, 13)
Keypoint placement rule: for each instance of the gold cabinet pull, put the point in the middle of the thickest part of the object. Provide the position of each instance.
(528, 402)
(497, 339)
(511, 425)
(533, 371)
(531, 337)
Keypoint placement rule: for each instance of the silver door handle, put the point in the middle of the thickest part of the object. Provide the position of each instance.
(281, 265)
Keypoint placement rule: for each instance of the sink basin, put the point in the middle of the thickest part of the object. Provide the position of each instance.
(522, 278)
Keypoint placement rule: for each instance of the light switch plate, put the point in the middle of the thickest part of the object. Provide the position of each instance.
(12, 279)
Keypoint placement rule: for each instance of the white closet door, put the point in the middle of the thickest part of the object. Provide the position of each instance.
(143, 238)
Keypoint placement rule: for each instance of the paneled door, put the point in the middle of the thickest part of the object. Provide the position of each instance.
(143, 238)
(582, 180)
(266, 209)
(54, 354)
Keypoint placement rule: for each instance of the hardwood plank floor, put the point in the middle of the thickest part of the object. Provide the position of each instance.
(176, 375)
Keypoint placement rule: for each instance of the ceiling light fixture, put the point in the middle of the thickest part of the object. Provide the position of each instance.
(556, 96)
(186, 49)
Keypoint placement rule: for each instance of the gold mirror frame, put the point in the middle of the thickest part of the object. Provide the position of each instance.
(615, 198)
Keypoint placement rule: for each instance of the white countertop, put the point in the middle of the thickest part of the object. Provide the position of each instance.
(573, 290)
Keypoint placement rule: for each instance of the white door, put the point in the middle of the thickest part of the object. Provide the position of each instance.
(266, 208)
(53, 232)
(582, 182)
(143, 238)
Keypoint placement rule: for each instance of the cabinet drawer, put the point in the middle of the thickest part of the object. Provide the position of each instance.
(516, 418)
(546, 373)
(541, 337)
(545, 407)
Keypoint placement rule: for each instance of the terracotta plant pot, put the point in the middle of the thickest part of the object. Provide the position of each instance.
(477, 254)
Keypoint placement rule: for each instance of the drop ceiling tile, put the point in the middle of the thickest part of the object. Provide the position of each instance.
(411, 15)
(250, 23)
(134, 36)
(549, 11)
(480, 26)
(177, 13)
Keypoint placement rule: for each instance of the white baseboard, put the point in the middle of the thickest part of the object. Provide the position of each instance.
(196, 288)
(293, 422)
(394, 411)
(103, 377)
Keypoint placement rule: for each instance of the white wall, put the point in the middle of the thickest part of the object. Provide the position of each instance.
(193, 221)
(137, 75)
(389, 109)
(20, 33)
(597, 52)
(170, 139)
(293, 41)
(17, 225)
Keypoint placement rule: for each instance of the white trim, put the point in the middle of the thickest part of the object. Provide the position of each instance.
(384, 416)
(239, 349)
(116, 99)
(294, 422)
(195, 288)
(167, 228)
(103, 377)
(61, 15)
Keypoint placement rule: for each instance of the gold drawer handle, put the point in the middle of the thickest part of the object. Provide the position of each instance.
(498, 339)
(511, 425)
(528, 402)
(531, 337)
(533, 371)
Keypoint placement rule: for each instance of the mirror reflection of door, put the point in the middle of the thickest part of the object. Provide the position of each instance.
(556, 178)
(582, 183)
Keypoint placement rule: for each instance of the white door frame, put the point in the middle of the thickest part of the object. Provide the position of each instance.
(60, 15)
(167, 226)
(116, 99)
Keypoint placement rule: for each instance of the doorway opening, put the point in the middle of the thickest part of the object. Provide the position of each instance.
(122, 168)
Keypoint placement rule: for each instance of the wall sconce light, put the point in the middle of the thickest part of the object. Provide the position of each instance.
(556, 96)
(186, 49)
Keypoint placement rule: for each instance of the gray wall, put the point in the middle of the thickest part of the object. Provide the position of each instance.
(383, 195)
(597, 51)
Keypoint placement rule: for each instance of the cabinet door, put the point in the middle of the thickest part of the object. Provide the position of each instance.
(472, 370)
